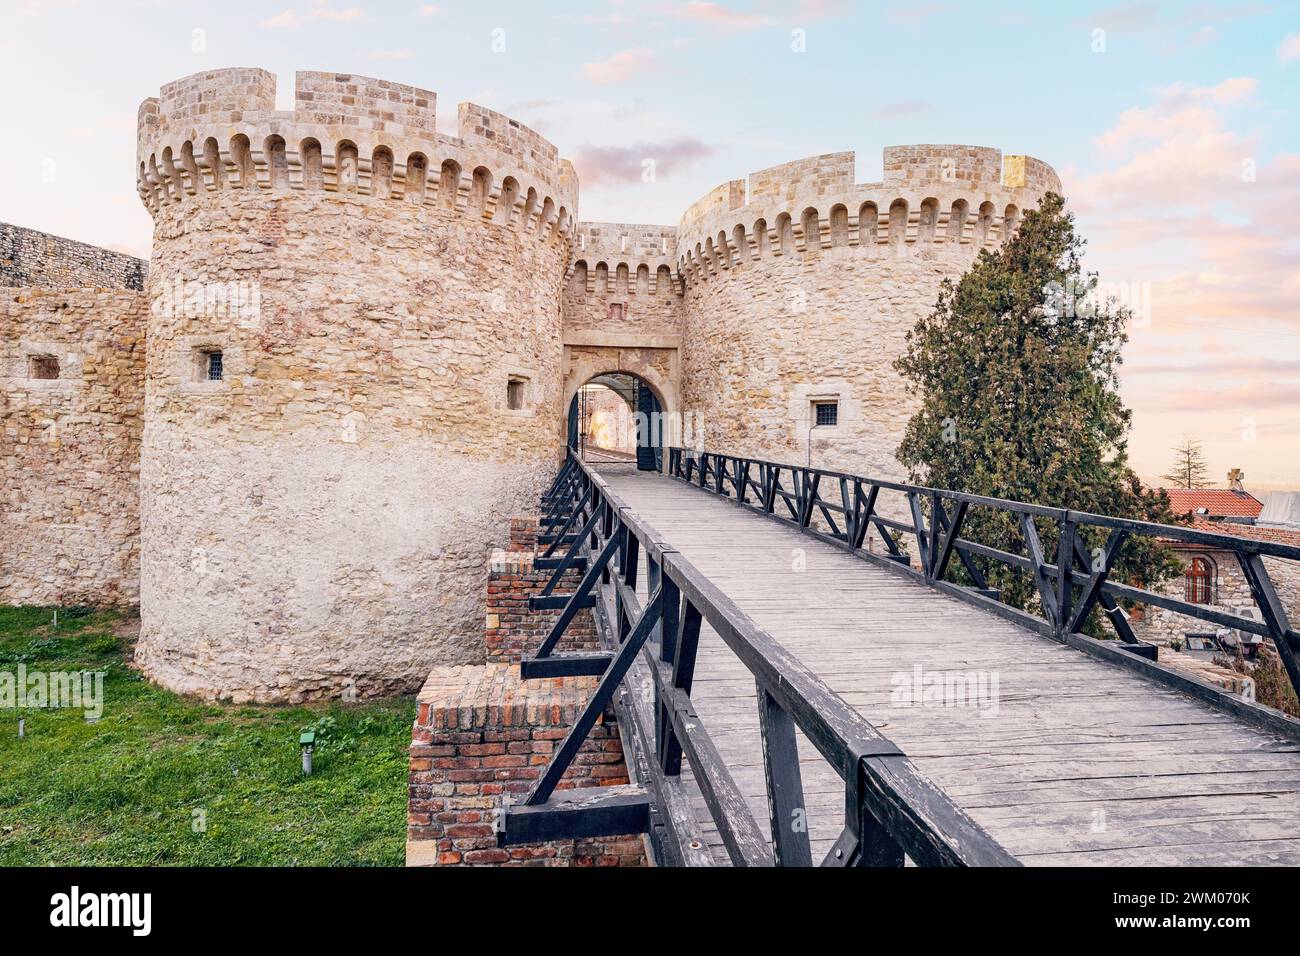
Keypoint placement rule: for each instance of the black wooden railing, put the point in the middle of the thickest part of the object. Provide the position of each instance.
(840, 508)
(646, 670)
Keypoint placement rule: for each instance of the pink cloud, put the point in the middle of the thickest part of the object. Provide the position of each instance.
(597, 165)
(1182, 202)
(1290, 48)
(720, 16)
(619, 68)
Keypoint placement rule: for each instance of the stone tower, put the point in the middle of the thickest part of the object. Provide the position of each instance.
(354, 332)
(800, 287)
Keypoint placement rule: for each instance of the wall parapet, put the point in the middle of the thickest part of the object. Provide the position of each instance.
(353, 135)
(929, 194)
(624, 259)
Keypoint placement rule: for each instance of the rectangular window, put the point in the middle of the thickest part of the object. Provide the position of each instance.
(617, 311)
(44, 367)
(209, 365)
(826, 414)
(515, 393)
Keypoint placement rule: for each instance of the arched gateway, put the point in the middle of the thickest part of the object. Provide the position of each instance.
(618, 416)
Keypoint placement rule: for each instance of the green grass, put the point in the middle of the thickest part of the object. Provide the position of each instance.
(125, 790)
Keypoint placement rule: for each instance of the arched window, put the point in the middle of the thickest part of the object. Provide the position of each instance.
(1198, 582)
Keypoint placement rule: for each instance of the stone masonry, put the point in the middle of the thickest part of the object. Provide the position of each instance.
(37, 259)
(70, 446)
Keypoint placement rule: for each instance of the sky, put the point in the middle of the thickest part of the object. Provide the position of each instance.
(1172, 125)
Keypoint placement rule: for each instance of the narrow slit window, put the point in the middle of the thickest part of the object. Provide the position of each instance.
(826, 414)
(44, 367)
(515, 393)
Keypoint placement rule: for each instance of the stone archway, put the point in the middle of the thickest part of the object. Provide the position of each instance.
(656, 364)
(617, 417)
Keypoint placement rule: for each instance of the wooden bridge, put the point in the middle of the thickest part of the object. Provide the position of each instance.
(789, 696)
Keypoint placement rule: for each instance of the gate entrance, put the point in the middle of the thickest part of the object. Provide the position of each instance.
(616, 417)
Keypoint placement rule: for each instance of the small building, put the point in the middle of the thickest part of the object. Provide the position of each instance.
(1213, 576)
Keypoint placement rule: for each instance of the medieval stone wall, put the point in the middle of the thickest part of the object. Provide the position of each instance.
(70, 445)
(36, 259)
(629, 267)
(320, 519)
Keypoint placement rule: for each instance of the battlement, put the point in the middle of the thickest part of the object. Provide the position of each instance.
(349, 134)
(963, 195)
(611, 257)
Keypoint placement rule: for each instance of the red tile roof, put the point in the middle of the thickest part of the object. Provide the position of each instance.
(1258, 532)
(1216, 501)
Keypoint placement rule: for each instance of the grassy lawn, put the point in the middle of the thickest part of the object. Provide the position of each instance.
(135, 786)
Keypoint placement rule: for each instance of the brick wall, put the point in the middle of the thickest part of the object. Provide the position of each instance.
(482, 736)
(512, 631)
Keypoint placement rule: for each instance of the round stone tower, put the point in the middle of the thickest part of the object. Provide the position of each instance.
(352, 376)
(801, 287)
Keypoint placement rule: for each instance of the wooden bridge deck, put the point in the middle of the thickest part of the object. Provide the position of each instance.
(1067, 760)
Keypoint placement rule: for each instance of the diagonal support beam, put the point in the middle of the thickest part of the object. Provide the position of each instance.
(1034, 549)
(1270, 607)
(579, 599)
(600, 699)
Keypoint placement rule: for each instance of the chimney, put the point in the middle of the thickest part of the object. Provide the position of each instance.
(1234, 481)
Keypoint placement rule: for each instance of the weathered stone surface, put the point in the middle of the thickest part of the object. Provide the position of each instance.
(70, 446)
(319, 521)
(36, 259)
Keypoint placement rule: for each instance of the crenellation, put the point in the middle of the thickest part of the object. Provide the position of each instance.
(348, 134)
(812, 206)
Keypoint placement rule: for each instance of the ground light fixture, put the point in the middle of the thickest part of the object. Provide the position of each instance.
(308, 743)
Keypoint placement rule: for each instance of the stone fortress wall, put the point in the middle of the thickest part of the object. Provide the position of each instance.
(32, 259)
(70, 445)
(319, 521)
(401, 319)
(623, 307)
(72, 319)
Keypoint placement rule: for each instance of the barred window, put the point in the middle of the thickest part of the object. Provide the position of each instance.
(209, 365)
(826, 413)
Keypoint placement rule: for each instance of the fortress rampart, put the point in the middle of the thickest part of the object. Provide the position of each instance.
(71, 384)
(354, 353)
(930, 195)
(32, 259)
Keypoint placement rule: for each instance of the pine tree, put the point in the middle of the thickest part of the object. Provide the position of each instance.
(1017, 372)
(1189, 470)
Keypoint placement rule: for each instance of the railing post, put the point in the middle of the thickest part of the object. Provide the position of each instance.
(1064, 581)
(1275, 617)
(785, 797)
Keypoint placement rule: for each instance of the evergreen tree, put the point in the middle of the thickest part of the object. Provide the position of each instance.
(1017, 372)
(1189, 470)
